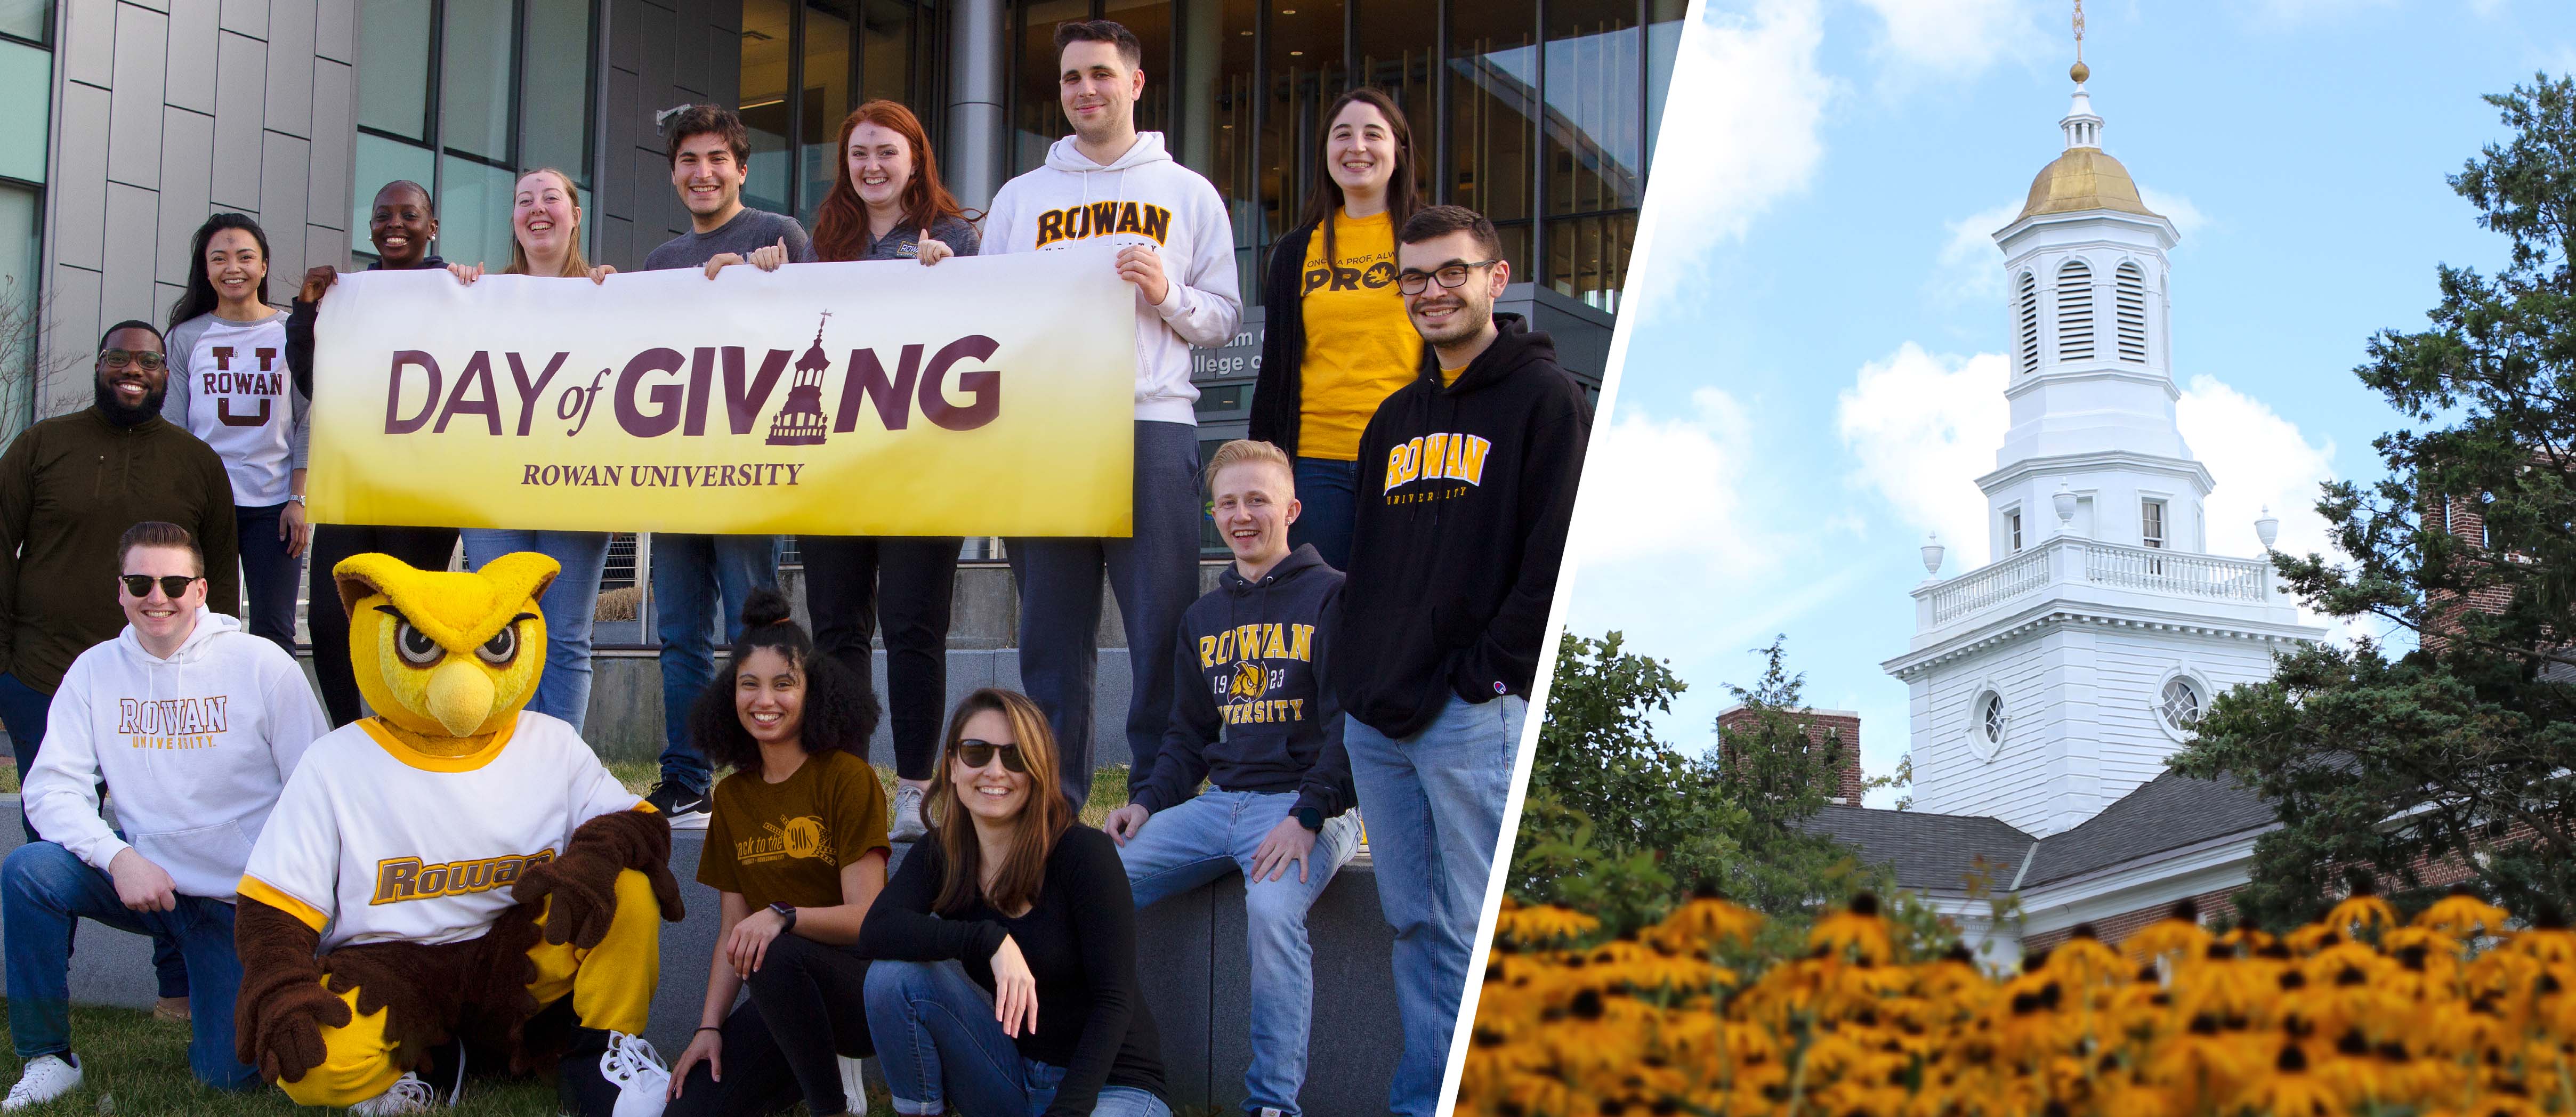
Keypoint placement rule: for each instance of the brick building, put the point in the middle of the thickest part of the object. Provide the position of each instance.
(1826, 729)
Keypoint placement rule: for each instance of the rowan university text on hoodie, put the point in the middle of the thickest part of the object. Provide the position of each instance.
(1141, 198)
(195, 749)
(1464, 496)
(1261, 716)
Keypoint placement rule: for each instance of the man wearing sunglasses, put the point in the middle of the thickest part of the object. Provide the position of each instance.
(196, 724)
(1466, 484)
(69, 488)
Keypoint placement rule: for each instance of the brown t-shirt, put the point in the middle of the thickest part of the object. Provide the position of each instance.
(785, 842)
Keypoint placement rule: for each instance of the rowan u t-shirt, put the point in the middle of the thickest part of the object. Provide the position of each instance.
(228, 385)
(786, 842)
(1360, 346)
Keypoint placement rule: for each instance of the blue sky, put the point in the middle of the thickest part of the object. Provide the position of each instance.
(1812, 377)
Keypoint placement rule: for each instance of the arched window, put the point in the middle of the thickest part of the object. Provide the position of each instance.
(2028, 304)
(2180, 705)
(2075, 311)
(2132, 297)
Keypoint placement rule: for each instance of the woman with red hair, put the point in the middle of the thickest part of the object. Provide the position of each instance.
(887, 203)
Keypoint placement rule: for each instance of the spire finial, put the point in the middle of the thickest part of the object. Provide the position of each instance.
(2079, 71)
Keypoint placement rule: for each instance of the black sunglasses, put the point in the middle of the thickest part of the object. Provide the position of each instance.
(976, 754)
(172, 585)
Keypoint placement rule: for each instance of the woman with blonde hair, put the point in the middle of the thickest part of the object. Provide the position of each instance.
(545, 240)
(1036, 907)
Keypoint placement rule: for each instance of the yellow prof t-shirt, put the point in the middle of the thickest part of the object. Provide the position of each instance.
(1360, 347)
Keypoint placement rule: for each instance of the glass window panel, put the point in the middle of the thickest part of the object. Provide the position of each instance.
(1516, 248)
(474, 81)
(379, 161)
(1593, 127)
(1399, 50)
(554, 116)
(1213, 74)
(474, 213)
(20, 208)
(886, 45)
(1493, 82)
(1151, 20)
(393, 67)
(1587, 257)
(826, 100)
(764, 102)
(1663, 45)
(1038, 118)
(26, 19)
(26, 80)
(1305, 73)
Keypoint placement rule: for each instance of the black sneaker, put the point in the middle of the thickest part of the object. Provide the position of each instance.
(685, 809)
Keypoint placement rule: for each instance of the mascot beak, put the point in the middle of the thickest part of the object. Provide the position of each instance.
(460, 696)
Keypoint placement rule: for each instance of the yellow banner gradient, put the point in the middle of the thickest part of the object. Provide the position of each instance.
(980, 396)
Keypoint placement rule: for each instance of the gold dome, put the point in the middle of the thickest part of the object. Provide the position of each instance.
(2084, 179)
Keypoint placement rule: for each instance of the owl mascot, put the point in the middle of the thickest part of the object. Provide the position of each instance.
(454, 874)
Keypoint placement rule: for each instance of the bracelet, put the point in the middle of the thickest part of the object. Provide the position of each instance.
(707, 1028)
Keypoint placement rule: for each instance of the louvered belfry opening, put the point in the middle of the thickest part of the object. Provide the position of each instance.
(2132, 296)
(2075, 311)
(2029, 302)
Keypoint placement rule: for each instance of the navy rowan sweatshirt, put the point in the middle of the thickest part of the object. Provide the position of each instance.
(1259, 717)
(1465, 491)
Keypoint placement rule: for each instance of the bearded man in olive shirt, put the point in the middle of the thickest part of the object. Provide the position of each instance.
(69, 488)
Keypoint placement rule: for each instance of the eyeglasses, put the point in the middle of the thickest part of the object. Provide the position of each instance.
(976, 754)
(119, 358)
(1454, 275)
(172, 585)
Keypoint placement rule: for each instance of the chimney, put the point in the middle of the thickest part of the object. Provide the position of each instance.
(1819, 724)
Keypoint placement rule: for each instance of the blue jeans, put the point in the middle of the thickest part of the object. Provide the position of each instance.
(43, 889)
(1183, 847)
(692, 576)
(1329, 493)
(569, 605)
(941, 1050)
(1434, 803)
(24, 710)
(1154, 571)
(269, 575)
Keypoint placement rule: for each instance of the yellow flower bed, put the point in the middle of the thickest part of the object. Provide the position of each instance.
(2453, 1014)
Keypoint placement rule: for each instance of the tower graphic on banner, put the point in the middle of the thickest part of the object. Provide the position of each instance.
(802, 422)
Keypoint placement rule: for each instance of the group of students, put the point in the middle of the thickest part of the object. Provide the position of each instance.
(1396, 522)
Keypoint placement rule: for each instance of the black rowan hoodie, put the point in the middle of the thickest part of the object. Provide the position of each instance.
(1260, 717)
(1464, 496)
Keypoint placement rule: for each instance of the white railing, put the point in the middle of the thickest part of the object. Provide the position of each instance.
(1997, 583)
(2159, 571)
(2087, 561)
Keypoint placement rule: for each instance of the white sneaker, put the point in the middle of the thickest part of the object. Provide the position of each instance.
(909, 825)
(408, 1094)
(47, 1077)
(643, 1081)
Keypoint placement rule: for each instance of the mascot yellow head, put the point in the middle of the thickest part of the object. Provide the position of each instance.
(446, 654)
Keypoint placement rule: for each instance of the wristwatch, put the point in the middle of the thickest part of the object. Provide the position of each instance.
(296, 498)
(787, 913)
(1309, 817)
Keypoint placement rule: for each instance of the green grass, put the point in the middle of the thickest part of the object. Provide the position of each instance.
(132, 1064)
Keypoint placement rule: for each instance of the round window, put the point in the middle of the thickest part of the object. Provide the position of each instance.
(2180, 704)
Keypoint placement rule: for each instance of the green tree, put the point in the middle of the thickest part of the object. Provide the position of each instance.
(1622, 825)
(2459, 753)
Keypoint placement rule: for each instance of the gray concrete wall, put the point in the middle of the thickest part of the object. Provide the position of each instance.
(1197, 984)
(166, 111)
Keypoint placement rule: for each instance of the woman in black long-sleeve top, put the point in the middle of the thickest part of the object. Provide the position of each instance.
(1035, 905)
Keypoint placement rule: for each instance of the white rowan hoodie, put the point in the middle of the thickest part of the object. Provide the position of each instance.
(1141, 198)
(195, 748)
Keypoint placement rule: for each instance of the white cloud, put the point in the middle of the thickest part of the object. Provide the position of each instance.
(1971, 268)
(1741, 133)
(1953, 38)
(2186, 217)
(1670, 493)
(2258, 460)
(1924, 426)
